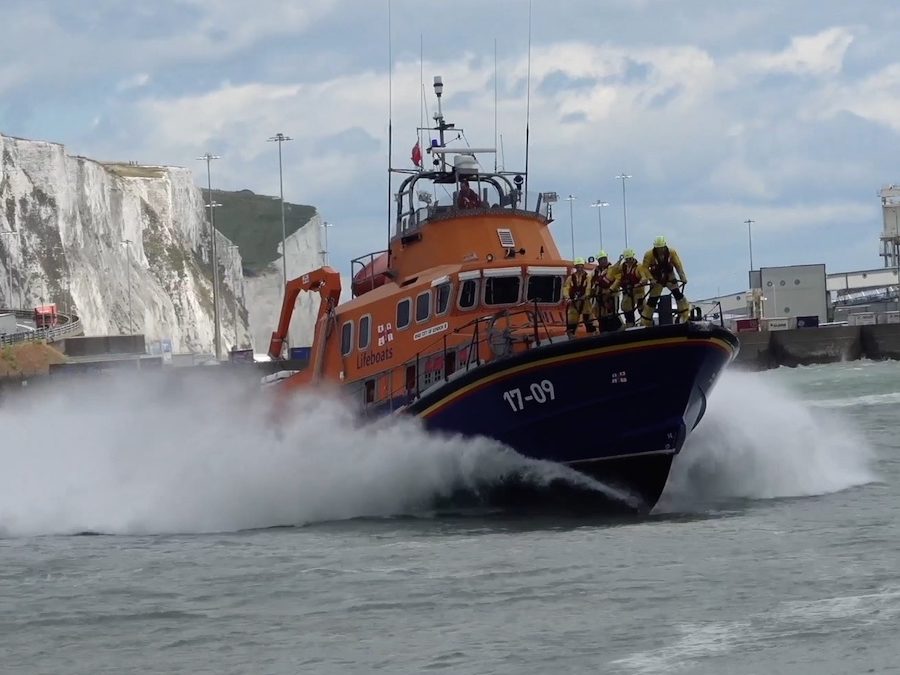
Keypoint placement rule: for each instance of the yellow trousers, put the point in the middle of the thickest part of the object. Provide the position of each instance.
(683, 307)
(579, 310)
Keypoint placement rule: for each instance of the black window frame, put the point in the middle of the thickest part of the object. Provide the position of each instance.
(476, 296)
(349, 340)
(437, 306)
(409, 313)
(559, 277)
(494, 279)
(416, 306)
(368, 334)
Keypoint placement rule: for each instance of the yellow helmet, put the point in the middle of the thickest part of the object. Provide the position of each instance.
(659, 242)
(629, 253)
(601, 255)
(579, 261)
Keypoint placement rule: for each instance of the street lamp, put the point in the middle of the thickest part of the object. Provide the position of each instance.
(749, 222)
(571, 199)
(215, 260)
(599, 206)
(231, 250)
(127, 244)
(281, 138)
(623, 177)
(325, 226)
(9, 265)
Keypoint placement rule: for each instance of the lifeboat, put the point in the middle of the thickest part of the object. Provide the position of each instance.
(462, 323)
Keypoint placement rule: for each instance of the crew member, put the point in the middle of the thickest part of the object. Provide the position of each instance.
(663, 262)
(576, 291)
(467, 198)
(604, 298)
(632, 278)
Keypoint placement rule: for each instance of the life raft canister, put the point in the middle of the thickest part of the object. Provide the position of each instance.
(371, 276)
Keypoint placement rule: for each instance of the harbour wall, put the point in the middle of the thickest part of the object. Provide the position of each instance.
(806, 346)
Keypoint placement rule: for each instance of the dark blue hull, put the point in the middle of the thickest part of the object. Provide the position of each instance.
(617, 407)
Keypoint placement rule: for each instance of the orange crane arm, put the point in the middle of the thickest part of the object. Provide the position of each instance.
(327, 282)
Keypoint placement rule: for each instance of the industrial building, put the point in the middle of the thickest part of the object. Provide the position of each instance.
(805, 296)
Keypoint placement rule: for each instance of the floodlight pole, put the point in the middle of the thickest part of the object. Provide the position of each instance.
(599, 204)
(217, 334)
(623, 177)
(750, 240)
(571, 199)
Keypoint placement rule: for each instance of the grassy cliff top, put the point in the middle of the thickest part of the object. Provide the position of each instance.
(253, 222)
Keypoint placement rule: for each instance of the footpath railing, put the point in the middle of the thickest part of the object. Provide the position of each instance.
(69, 325)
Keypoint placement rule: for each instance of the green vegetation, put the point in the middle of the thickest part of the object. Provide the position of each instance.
(253, 222)
(136, 171)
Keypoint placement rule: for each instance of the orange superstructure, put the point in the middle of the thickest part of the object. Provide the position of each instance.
(457, 285)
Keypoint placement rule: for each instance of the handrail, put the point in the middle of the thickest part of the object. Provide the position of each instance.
(528, 308)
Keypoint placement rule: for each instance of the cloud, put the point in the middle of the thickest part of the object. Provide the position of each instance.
(135, 81)
(768, 112)
(819, 54)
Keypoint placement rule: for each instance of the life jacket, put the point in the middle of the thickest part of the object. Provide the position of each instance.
(600, 279)
(662, 269)
(630, 277)
(579, 287)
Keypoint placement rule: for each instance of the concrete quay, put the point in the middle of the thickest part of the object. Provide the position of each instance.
(806, 346)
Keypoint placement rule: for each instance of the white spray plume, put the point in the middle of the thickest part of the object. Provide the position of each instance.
(759, 440)
(186, 454)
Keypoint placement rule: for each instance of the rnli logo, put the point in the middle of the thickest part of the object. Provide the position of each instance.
(385, 334)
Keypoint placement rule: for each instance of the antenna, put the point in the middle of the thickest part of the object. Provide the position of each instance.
(421, 93)
(528, 105)
(495, 103)
(390, 120)
(502, 154)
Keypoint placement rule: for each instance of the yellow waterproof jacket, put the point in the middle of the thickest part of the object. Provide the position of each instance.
(628, 277)
(577, 289)
(601, 280)
(665, 272)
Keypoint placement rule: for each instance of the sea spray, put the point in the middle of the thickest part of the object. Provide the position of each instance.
(153, 454)
(759, 440)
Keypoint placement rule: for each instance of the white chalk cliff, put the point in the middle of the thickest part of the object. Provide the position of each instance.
(70, 216)
(264, 292)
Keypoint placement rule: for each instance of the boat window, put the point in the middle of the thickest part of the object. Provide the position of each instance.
(346, 338)
(468, 294)
(501, 290)
(423, 306)
(365, 332)
(370, 391)
(444, 291)
(403, 308)
(544, 288)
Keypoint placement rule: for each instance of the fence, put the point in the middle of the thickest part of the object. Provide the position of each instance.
(69, 326)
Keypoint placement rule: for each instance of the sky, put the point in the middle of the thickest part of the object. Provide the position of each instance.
(786, 113)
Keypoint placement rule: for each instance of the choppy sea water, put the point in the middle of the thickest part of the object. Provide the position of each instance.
(227, 547)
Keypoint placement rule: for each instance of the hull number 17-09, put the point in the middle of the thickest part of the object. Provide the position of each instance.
(537, 392)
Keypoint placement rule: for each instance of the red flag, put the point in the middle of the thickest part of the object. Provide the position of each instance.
(416, 155)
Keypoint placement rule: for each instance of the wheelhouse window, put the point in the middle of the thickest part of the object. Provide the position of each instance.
(442, 301)
(502, 290)
(403, 312)
(468, 294)
(365, 332)
(544, 288)
(346, 338)
(423, 306)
